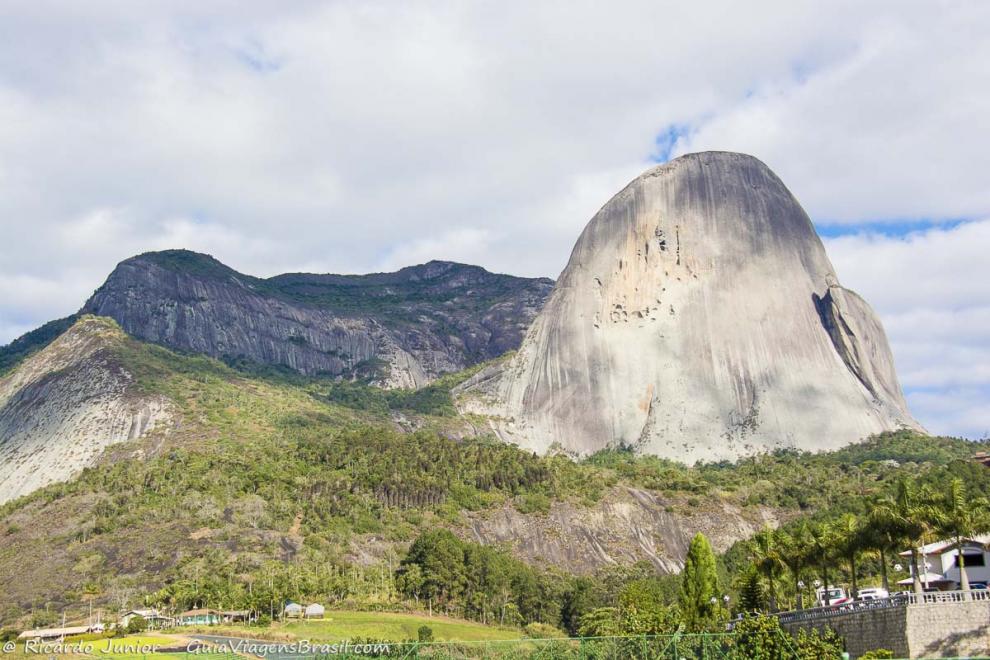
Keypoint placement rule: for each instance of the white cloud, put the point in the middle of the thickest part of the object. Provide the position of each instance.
(349, 137)
(930, 289)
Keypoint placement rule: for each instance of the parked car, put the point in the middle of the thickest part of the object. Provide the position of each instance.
(977, 585)
(836, 596)
(872, 593)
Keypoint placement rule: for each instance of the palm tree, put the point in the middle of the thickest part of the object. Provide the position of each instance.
(961, 519)
(883, 534)
(767, 560)
(849, 543)
(822, 546)
(912, 517)
(795, 546)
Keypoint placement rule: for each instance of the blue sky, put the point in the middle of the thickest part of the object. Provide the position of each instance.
(351, 137)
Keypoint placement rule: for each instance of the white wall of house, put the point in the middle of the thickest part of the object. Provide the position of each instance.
(977, 563)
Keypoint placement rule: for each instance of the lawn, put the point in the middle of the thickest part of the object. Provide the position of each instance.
(133, 645)
(341, 625)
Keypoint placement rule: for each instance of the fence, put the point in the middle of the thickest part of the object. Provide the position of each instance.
(899, 600)
(711, 646)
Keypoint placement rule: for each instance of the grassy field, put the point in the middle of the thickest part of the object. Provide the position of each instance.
(130, 646)
(391, 626)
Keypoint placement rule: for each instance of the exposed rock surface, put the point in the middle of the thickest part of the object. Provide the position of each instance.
(698, 318)
(628, 525)
(399, 329)
(65, 404)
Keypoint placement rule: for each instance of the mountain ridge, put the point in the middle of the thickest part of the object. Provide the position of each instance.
(399, 329)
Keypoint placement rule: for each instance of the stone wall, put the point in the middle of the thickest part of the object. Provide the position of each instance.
(864, 630)
(949, 629)
(931, 630)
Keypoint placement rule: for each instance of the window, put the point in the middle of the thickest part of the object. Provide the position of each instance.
(972, 559)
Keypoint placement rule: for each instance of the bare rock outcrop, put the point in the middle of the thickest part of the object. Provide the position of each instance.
(698, 318)
(397, 329)
(65, 404)
(626, 526)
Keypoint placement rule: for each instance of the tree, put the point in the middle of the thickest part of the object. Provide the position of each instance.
(849, 539)
(136, 624)
(824, 645)
(751, 596)
(960, 518)
(795, 548)
(883, 534)
(440, 557)
(700, 597)
(579, 599)
(912, 516)
(823, 544)
(766, 557)
(760, 637)
(643, 611)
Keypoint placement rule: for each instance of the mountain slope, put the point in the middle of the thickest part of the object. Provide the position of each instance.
(260, 474)
(699, 318)
(399, 329)
(62, 406)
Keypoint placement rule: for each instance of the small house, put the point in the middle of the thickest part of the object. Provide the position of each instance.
(293, 610)
(154, 619)
(315, 611)
(939, 563)
(235, 616)
(200, 617)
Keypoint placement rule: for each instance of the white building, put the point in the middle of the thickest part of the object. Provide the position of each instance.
(939, 564)
(315, 611)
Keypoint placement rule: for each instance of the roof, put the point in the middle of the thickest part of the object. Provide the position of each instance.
(315, 607)
(54, 632)
(199, 612)
(144, 613)
(926, 578)
(938, 547)
(293, 606)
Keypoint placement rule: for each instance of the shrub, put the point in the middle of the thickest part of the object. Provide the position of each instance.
(425, 633)
(826, 645)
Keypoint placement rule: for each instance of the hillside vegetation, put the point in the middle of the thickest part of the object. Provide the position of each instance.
(276, 487)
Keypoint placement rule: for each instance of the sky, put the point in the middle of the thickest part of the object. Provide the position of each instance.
(365, 136)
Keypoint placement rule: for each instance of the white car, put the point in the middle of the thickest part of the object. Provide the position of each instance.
(872, 593)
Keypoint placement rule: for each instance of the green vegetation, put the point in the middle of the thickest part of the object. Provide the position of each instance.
(13, 353)
(838, 545)
(392, 626)
(277, 486)
(700, 596)
(393, 298)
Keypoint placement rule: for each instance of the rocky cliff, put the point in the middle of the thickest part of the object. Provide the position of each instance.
(397, 329)
(698, 318)
(62, 406)
(626, 526)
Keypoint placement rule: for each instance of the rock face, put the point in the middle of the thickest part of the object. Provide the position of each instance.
(626, 526)
(398, 329)
(65, 404)
(699, 318)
